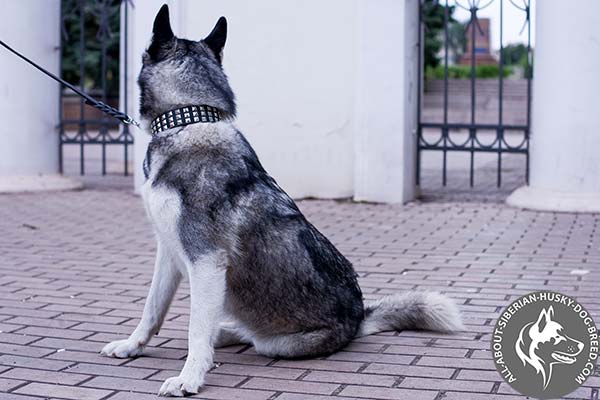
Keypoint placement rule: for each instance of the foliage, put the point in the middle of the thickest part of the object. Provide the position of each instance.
(457, 40)
(516, 55)
(464, 72)
(433, 19)
(93, 35)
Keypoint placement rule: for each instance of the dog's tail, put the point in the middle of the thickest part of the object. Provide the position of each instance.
(411, 310)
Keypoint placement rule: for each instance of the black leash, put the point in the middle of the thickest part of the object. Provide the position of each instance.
(105, 108)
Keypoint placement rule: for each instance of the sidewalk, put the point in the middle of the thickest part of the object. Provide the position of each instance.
(75, 268)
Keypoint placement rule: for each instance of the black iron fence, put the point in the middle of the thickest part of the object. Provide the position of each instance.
(475, 134)
(91, 57)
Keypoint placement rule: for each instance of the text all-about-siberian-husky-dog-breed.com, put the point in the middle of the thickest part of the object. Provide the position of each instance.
(259, 272)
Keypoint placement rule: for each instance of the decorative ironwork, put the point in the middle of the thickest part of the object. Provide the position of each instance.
(473, 143)
(95, 129)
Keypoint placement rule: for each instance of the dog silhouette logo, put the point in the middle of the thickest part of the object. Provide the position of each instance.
(545, 345)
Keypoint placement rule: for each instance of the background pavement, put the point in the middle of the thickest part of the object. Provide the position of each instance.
(75, 269)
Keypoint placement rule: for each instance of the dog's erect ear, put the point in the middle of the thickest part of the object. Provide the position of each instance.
(162, 38)
(217, 37)
(544, 318)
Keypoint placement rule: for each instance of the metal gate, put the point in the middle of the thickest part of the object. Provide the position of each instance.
(90, 58)
(439, 134)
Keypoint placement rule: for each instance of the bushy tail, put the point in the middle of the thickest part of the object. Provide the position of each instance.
(411, 310)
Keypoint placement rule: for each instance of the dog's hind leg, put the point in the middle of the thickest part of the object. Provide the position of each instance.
(230, 334)
(301, 344)
(207, 294)
(164, 284)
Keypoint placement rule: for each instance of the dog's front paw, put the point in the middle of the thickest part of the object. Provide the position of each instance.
(127, 348)
(179, 386)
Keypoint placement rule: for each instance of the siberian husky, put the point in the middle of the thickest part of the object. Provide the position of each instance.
(223, 223)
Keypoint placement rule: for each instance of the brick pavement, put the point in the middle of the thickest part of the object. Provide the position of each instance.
(75, 268)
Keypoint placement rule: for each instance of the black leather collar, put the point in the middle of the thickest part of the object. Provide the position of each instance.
(185, 116)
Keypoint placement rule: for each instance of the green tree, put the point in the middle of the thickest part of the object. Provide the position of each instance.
(514, 54)
(433, 19)
(101, 21)
(457, 40)
(517, 55)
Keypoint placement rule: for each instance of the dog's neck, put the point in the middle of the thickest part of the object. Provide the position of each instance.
(187, 115)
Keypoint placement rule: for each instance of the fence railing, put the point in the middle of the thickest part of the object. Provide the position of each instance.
(91, 37)
(472, 135)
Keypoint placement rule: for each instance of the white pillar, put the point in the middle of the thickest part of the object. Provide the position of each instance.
(386, 101)
(29, 99)
(565, 144)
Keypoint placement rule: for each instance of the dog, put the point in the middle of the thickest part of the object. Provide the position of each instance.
(544, 343)
(259, 272)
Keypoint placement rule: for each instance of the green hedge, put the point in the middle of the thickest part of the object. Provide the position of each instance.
(464, 72)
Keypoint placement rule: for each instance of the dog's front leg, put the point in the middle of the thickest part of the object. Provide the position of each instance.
(164, 284)
(207, 292)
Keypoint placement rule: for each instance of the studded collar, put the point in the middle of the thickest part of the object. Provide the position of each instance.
(185, 116)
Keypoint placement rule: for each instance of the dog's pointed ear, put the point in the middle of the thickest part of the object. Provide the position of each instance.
(544, 318)
(162, 34)
(217, 37)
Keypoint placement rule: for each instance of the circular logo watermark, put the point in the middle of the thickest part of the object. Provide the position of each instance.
(545, 345)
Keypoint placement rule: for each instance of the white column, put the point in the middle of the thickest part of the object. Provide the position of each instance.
(386, 101)
(565, 144)
(29, 99)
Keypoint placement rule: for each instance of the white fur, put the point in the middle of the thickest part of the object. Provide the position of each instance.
(207, 291)
(412, 310)
(164, 283)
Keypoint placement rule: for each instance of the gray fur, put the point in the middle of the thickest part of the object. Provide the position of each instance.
(284, 277)
(411, 310)
(285, 280)
(289, 291)
(178, 72)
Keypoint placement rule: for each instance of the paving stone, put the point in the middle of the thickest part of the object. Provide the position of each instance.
(350, 378)
(446, 384)
(7, 384)
(387, 393)
(409, 370)
(65, 392)
(327, 365)
(222, 393)
(290, 386)
(114, 383)
(29, 362)
(13, 396)
(110, 370)
(78, 356)
(304, 396)
(57, 378)
(253, 370)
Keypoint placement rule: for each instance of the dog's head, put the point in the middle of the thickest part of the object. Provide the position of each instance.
(544, 343)
(179, 72)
